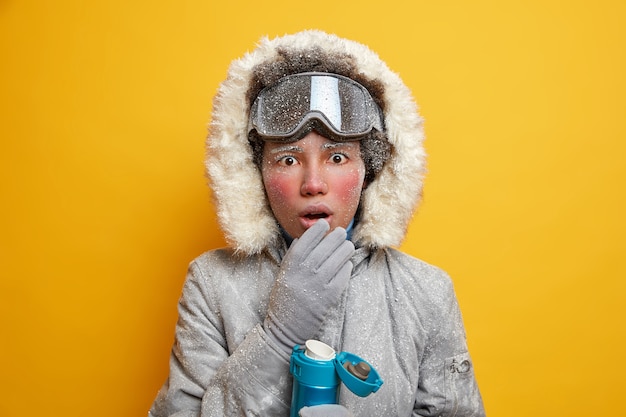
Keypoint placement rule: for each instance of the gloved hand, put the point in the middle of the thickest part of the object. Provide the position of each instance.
(325, 410)
(313, 275)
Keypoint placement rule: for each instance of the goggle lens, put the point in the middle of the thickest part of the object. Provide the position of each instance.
(344, 107)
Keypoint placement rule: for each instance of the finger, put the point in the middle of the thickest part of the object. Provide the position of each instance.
(339, 281)
(325, 410)
(335, 260)
(311, 237)
(326, 247)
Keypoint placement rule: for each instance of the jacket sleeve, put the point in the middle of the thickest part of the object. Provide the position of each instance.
(447, 385)
(205, 379)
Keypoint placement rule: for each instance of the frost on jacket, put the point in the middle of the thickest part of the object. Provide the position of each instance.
(398, 312)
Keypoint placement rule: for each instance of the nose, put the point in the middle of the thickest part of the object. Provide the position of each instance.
(314, 182)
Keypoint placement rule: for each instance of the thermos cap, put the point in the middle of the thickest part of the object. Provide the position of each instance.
(319, 350)
(318, 365)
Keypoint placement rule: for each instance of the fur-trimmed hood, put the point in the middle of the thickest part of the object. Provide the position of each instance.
(388, 202)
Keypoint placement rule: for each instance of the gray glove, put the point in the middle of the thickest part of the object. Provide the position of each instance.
(326, 410)
(313, 275)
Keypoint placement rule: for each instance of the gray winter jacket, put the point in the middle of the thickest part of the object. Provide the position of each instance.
(399, 313)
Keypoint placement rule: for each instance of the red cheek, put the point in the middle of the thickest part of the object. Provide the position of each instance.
(278, 185)
(349, 184)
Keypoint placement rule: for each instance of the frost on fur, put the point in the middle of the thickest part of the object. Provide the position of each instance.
(395, 187)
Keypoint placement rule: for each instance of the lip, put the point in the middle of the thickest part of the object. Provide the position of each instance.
(312, 213)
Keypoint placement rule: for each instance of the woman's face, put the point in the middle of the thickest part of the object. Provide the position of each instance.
(313, 178)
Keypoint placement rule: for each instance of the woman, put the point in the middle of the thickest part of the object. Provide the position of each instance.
(315, 160)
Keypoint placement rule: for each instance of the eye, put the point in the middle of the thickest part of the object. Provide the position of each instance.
(338, 158)
(287, 161)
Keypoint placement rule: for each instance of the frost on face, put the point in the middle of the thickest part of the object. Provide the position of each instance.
(375, 152)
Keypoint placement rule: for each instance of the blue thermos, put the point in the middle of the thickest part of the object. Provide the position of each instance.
(318, 371)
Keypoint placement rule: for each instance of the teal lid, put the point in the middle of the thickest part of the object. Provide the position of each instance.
(357, 374)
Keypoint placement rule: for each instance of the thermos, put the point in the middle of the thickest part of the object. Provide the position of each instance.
(318, 372)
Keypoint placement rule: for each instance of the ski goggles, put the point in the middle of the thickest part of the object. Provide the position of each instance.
(336, 106)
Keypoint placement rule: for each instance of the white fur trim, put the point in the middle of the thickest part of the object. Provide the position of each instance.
(243, 211)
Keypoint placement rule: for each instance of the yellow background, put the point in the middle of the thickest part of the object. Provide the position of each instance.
(103, 113)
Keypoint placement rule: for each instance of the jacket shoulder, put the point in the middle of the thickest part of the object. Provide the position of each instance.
(417, 268)
(426, 283)
(226, 270)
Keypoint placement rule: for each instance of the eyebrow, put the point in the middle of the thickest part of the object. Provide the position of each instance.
(298, 149)
(286, 148)
(334, 145)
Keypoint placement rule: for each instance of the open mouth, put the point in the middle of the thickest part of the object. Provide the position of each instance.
(312, 213)
(315, 216)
